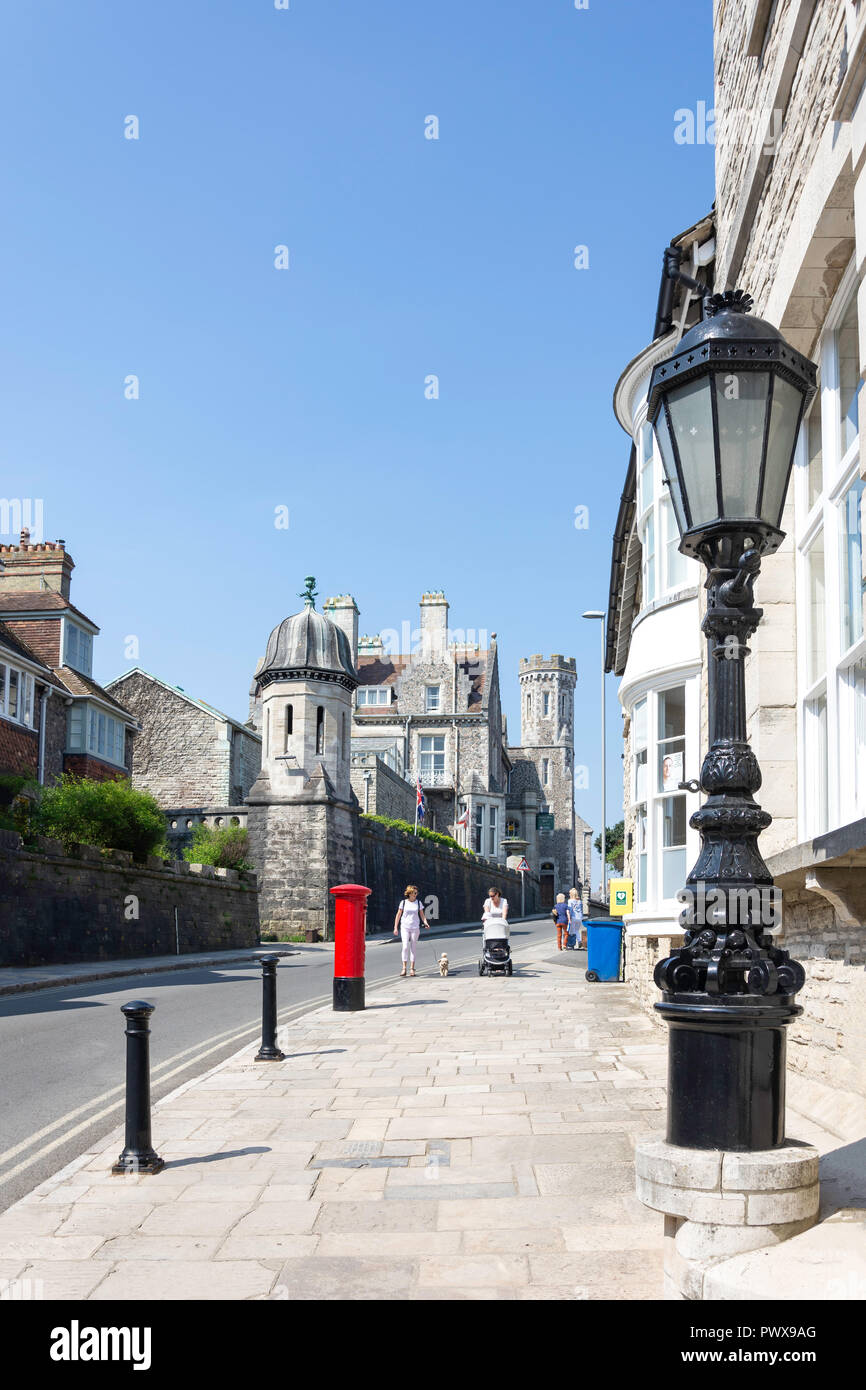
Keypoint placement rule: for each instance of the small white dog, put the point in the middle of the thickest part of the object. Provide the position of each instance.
(443, 964)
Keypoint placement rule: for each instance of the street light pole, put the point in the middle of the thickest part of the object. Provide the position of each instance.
(726, 409)
(595, 614)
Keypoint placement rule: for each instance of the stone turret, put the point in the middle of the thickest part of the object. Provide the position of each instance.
(303, 793)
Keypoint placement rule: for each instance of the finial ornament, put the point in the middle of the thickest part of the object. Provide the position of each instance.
(309, 593)
(737, 300)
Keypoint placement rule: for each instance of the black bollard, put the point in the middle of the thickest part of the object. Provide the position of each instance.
(138, 1155)
(269, 1052)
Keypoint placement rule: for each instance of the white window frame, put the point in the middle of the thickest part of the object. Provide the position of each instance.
(382, 693)
(431, 773)
(25, 703)
(433, 699)
(653, 799)
(839, 471)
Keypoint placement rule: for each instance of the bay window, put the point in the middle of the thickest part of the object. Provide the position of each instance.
(663, 569)
(91, 730)
(664, 737)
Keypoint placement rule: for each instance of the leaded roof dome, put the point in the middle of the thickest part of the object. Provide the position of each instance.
(308, 642)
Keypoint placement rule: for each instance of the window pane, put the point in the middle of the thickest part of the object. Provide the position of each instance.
(13, 694)
(640, 729)
(672, 712)
(640, 836)
(673, 821)
(852, 561)
(675, 563)
(816, 764)
(815, 612)
(673, 872)
(649, 562)
(28, 699)
(815, 451)
(671, 761)
(855, 680)
(848, 349)
(646, 469)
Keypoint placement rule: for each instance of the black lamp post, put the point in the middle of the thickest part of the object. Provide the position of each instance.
(726, 409)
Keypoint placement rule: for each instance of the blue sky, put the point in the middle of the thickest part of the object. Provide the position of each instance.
(304, 388)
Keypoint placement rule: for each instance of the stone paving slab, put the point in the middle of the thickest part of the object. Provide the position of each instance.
(463, 1139)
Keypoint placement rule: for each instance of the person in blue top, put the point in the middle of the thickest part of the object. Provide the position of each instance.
(560, 914)
(575, 920)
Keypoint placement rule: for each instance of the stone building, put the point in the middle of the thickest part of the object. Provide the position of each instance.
(790, 229)
(54, 717)
(349, 725)
(196, 761)
(540, 797)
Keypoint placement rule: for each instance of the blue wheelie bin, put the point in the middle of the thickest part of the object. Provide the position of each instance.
(604, 948)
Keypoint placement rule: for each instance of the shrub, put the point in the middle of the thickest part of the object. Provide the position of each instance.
(226, 848)
(11, 783)
(424, 833)
(110, 815)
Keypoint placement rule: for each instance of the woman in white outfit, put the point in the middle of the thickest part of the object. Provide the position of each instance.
(409, 920)
(495, 912)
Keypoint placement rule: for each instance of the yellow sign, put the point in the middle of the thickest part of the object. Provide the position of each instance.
(621, 891)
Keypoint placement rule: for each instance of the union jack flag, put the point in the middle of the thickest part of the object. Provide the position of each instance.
(421, 805)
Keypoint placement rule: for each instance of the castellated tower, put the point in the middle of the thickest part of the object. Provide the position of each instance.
(547, 745)
(303, 819)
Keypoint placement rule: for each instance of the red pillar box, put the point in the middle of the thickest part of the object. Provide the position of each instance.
(349, 946)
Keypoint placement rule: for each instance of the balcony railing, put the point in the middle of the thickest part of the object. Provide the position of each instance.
(435, 777)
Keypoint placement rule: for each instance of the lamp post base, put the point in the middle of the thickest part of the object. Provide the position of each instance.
(719, 1205)
(726, 1071)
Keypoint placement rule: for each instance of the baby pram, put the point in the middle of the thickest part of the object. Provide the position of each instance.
(495, 948)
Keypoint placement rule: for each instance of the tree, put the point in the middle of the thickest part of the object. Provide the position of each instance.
(614, 845)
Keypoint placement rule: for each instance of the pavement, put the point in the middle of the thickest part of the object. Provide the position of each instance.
(461, 1138)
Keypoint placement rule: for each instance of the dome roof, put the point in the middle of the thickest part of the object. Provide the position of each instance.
(308, 641)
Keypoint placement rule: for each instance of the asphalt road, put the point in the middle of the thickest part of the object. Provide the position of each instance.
(62, 1050)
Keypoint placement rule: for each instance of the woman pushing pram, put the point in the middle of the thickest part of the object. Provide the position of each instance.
(495, 947)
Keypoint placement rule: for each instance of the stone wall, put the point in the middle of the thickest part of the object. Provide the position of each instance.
(771, 115)
(57, 908)
(390, 859)
(385, 793)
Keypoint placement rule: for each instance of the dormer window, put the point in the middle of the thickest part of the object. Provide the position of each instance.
(77, 648)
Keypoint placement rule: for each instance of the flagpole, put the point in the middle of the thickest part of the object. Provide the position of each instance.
(415, 831)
